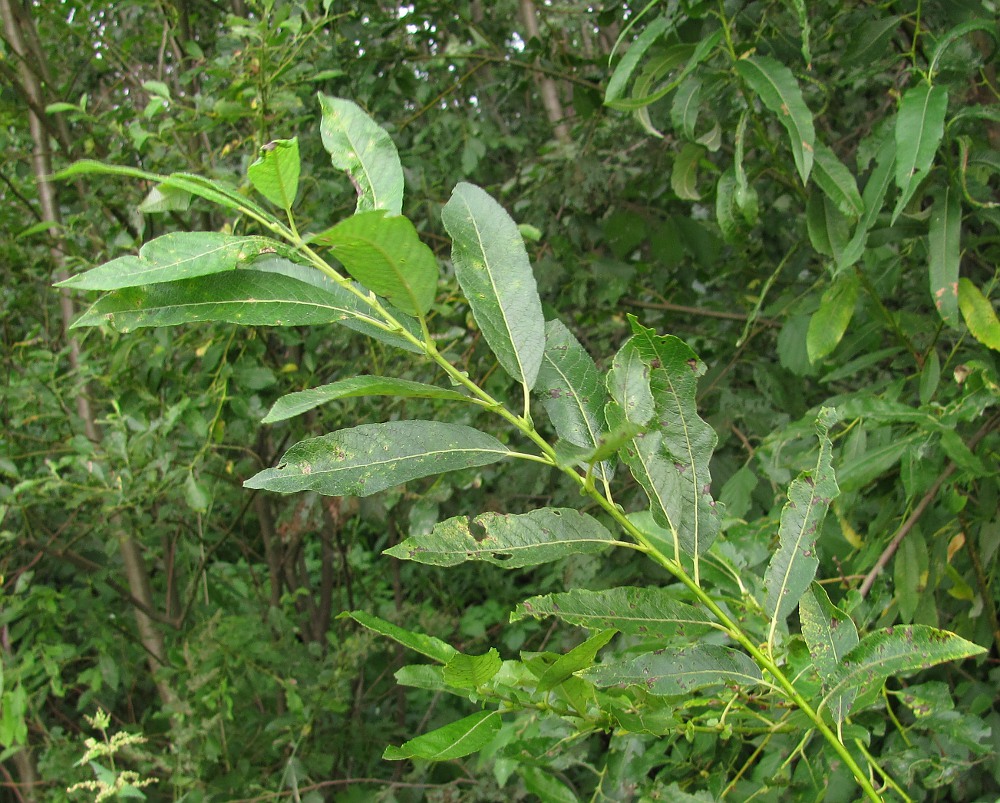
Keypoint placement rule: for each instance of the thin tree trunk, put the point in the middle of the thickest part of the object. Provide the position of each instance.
(546, 84)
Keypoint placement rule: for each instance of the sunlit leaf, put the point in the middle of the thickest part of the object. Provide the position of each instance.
(433, 648)
(978, 314)
(452, 741)
(580, 657)
(472, 671)
(275, 173)
(829, 323)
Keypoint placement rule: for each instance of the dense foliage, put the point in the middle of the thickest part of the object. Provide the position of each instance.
(634, 369)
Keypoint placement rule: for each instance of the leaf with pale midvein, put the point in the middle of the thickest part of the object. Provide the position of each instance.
(687, 440)
(580, 657)
(572, 390)
(653, 613)
(793, 567)
(302, 401)
(362, 148)
(776, 86)
(387, 256)
(978, 314)
(628, 385)
(829, 323)
(837, 182)
(896, 651)
(872, 199)
(830, 634)
(275, 173)
(511, 541)
(491, 265)
(433, 648)
(472, 671)
(362, 319)
(247, 297)
(678, 671)
(366, 459)
(944, 253)
(452, 741)
(919, 129)
(179, 255)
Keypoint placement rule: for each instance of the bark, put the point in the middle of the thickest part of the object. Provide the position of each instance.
(546, 84)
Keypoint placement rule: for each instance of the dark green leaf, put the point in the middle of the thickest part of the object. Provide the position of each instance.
(684, 176)
(369, 458)
(678, 671)
(837, 182)
(944, 251)
(919, 128)
(452, 741)
(872, 199)
(623, 72)
(275, 173)
(492, 267)
(510, 541)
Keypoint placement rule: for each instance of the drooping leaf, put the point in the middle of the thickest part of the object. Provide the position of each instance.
(387, 256)
(777, 88)
(452, 741)
(897, 651)
(275, 173)
(837, 182)
(472, 671)
(830, 634)
(580, 657)
(978, 314)
(829, 323)
(510, 541)
(919, 128)
(492, 267)
(684, 176)
(960, 30)
(179, 255)
(362, 148)
(653, 613)
(571, 389)
(943, 252)
(828, 229)
(686, 106)
(872, 199)
(678, 671)
(623, 72)
(369, 458)
(433, 648)
(793, 567)
(302, 401)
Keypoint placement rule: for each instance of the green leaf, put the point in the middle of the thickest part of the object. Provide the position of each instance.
(433, 648)
(652, 613)
(930, 376)
(944, 251)
(472, 671)
(957, 32)
(510, 541)
(919, 128)
(180, 255)
(492, 267)
(830, 321)
(452, 741)
(369, 458)
(571, 389)
(275, 173)
(684, 176)
(837, 182)
(196, 495)
(896, 651)
(872, 199)
(294, 404)
(793, 567)
(828, 229)
(830, 634)
(678, 671)
(545, 786)
(623, 72)
(979, 315)
(387, 256)
(776, 86)
(580, 657)
(359, 146)
(861, 470)
(686, 106)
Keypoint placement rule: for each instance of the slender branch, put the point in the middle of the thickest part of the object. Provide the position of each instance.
(701, 312)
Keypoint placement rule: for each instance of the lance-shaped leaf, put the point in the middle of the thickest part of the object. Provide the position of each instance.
(777, 88)
(896, 651)
(387, 256)
(572, 390)
(302, 401)
(359, 146)
(472, 671)
(452, 741)
(275, 173)
(793, 566)
(180, 255)
(829, 323)
(872, 199)
(653, 613)
(830, 634)
(837, 182)
(623, 72)
(678, 671)
(433, 648)
(943, 253)
(978, 314)
(919, 128)
(580, 657)
(369, 458)
(508, 540)
(492, 267)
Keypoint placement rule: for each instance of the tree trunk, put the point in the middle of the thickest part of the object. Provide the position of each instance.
(546, 84)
